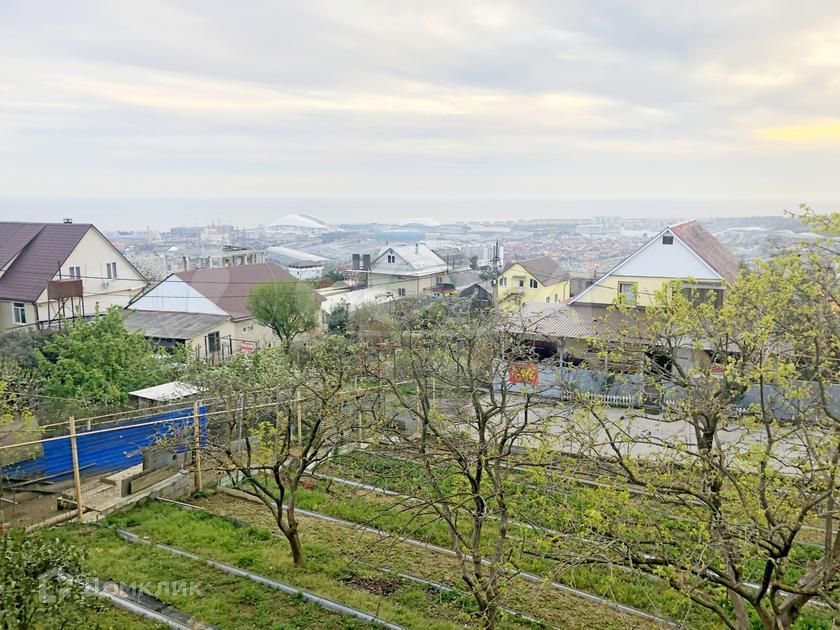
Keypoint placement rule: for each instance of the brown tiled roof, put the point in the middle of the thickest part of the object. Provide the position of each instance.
(705, 245)
(228, 287)
(41, 249)
(544, 268)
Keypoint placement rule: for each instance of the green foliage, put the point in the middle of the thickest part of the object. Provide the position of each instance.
(338, 320)
(23, 346)
(288, 308)
(99, 362)
(31, 593)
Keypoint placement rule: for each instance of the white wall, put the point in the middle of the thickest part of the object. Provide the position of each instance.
(176, 296)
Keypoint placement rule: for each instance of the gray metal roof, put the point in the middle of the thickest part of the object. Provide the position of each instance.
(572, 321)
(167, 325)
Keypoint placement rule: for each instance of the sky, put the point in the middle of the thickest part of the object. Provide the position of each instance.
(161, 113)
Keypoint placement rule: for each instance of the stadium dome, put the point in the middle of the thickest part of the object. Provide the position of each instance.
(301, 221)
(420, 222)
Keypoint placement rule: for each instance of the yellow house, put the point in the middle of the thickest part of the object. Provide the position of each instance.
(679, 252)
(539, 279)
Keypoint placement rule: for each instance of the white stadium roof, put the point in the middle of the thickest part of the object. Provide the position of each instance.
(306, 221)
(420, 222)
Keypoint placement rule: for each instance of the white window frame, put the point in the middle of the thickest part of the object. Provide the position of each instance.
(502, 281)
(112, 270)
(533, 283)
(19, 313)
(522, 283)
(401, 292)
(392, 258)
(438, 279)
(74, 272)
(632, 296)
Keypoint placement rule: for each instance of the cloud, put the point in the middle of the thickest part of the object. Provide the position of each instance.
(819, 131)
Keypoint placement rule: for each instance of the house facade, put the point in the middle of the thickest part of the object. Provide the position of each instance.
(540, 280)
(409, 270)
(685, 251)
(54, 270)
(205, 310)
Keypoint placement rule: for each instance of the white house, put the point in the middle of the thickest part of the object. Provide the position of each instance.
(53, 270)
(409, 270)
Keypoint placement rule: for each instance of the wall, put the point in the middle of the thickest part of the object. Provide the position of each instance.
(92, 255)
(7, 319)
(412, 286)
(512, 295)
(606, 291)
(261, 336)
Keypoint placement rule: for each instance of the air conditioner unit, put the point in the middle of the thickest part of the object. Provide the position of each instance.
(106, 284)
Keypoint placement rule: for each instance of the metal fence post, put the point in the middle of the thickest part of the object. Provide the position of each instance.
(77, 478)
(199, 485)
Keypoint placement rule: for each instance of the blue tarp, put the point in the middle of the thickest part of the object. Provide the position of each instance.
(116, 449)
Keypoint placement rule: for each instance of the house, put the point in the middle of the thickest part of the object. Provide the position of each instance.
(685, 251)
(301, 264)
(540, 279)
(479, 293)
(409, 270)
(205, 310)
(202, 257)
(54, 270)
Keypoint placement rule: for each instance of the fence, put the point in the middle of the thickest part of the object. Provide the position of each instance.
(90, 470)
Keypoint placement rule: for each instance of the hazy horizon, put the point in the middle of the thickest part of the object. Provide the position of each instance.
(162, 214)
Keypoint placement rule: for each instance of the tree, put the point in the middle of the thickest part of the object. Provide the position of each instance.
(279, 422)
(338, 319)
(468, 445)
(288, 308)
(721, 511)
(40, 582)
(99, 362)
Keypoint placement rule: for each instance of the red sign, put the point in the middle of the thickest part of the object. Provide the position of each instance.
(525, 374)
(247, 347)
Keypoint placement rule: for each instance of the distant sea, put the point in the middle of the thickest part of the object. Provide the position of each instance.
(159, 213)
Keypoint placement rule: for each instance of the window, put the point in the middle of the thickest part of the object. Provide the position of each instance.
(502, 281)
(704, 295)
(392, 258)
(556, 298)
(547, 299)
(401, 292)
(19, 312)
(522, 284)
(112, 270)
(628, 290)
(532, 283)
(74, 272)
(214, 343)
(439, 280)
(668, 239)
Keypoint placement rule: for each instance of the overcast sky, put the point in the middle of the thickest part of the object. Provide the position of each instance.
(733, 106)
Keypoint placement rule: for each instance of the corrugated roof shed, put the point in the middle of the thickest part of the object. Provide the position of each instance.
(168, 325)
(41, 249)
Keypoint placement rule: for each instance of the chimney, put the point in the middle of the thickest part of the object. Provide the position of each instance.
(68, 220)
(416, 248)
(366, 262)
(356, 262)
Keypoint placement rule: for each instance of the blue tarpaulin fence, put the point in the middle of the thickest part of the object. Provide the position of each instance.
(101, 451)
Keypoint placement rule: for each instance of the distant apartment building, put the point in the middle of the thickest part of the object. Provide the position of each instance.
(50, 271)
(300, 264)
(186, 259)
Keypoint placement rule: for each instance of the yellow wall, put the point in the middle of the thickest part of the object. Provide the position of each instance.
(607, 291)
(512, 295)
(239, 331)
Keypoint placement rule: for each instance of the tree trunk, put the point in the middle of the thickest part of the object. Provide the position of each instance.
(296, 546)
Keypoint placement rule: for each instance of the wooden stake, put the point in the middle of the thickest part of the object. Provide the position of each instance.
(77, 478)
(358, 402)
(199, 484)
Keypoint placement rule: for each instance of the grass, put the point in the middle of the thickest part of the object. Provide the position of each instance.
(629, 589)
(220, 599)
